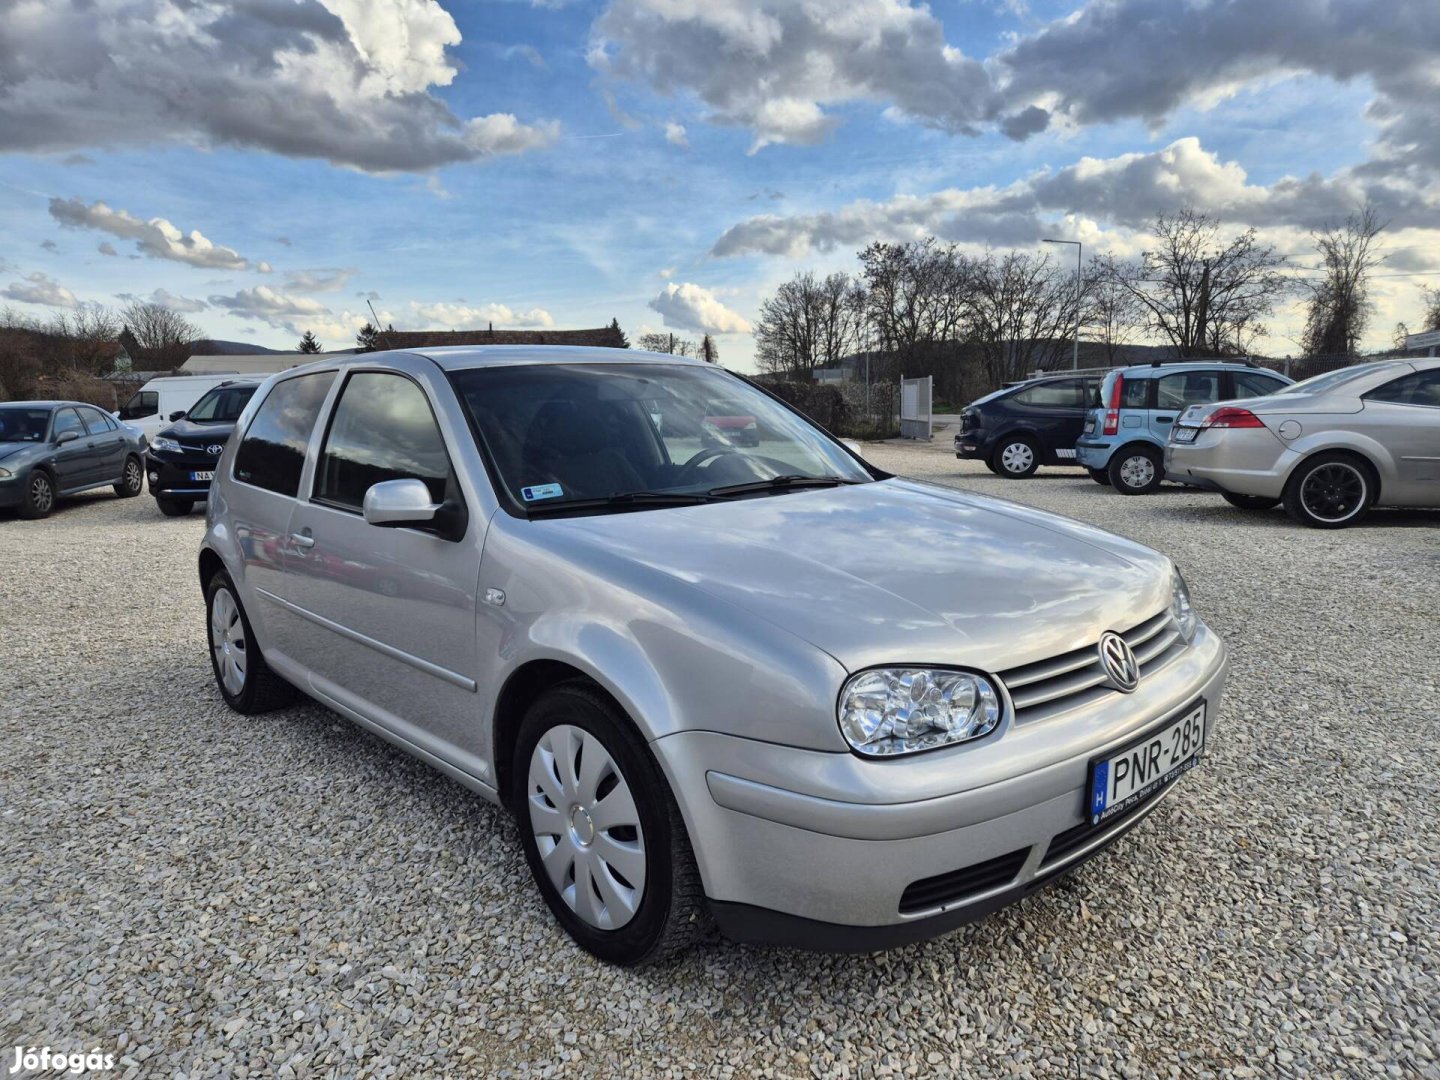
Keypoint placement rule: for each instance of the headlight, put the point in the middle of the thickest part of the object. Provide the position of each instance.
(168, 445)
(888, 711)
(5, 474)
(1181, 610)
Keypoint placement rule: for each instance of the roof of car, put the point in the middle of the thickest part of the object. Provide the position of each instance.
(48, 404)
(1170, 367)
(460, 357)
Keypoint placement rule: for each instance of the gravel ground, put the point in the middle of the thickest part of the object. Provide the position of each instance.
(206, 895)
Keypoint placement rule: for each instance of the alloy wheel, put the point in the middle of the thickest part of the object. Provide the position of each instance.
(42, 493)
(227, 641)
(133, 477)
(1017, 457)
(1333, 492)
(586, 826)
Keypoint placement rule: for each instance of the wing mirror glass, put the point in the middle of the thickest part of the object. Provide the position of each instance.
(399, 502)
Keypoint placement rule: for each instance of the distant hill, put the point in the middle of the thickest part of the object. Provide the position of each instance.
(211, 347)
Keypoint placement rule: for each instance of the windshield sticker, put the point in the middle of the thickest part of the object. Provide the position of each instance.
(541, 491)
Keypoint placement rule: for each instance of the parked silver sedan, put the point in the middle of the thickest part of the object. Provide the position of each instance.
(1329, 448)
(767, 685)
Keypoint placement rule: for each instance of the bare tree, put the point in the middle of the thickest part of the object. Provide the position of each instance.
(161, 337)
(1110, 314)
(1208, 296)
(917, 298)
(1339, 307)
(1021, 314)
(668, 343)
(809, 323)
(1430, 320)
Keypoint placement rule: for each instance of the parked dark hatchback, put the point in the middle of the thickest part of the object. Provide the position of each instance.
(1020, 428)
(181, 461)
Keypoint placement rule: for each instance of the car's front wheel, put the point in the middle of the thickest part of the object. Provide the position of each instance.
(601, 831)
(1016, 458)
(39, 495)
(132, 481)
(1136, 470)
(1249, 502)
(1330, 491)
(246, 682)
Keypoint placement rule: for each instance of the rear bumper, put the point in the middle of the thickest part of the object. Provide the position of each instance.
(1241, 461)
(972, 446)
(1092, 453)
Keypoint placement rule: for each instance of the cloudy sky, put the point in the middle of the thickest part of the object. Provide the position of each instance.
(269, 165)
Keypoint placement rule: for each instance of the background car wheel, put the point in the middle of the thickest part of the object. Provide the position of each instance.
(132, 481)
(1249, 502)
(601, 831)
(1330, 491)
(39, 495)
(1100, 476)
(246, 682)
(1136, 470)
(175, 507)
(1016, 458)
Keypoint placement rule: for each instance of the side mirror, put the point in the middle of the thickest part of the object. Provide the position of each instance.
(399, 502)
(177, 415)
(66, 436)
(854, 448)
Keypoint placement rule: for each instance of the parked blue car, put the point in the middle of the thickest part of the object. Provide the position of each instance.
(1123, 441)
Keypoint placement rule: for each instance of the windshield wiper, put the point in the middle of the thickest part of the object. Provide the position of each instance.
(787, 482)
(623, 501)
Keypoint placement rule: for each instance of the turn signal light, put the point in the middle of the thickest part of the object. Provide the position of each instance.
(1231, 417)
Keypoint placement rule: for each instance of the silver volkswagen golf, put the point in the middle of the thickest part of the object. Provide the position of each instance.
(765, 685)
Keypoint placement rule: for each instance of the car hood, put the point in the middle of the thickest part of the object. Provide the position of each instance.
(896, 571)
(9, 449)
(189, 429)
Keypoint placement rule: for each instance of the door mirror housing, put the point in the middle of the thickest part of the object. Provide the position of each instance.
(398, 503)
(65, 437)
(178, 414)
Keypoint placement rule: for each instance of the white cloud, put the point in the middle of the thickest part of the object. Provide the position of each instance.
(691, 307)
(675, 134)
(462, 316)
(157, 237)
(107, 248)
(345, 81)
(323, 279)
(293, 313)
(40, 288)
(186, 305)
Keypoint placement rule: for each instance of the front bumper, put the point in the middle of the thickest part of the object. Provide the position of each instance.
(1242, 461)
(169, 476)
(813, 849)
(12, 492)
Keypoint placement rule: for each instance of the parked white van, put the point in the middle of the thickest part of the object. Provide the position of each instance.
(164, 400)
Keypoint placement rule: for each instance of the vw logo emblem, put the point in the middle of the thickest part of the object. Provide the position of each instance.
(215, 449)
(1119, 662)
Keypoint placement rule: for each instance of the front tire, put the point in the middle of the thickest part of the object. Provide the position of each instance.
(175, 507)
(1330, 491)
(245, 681)
(132, 481)
(1015, 457)
(1100, 476)
(602, 834)
(1249, 502)
(1136, 470)
(39, 496)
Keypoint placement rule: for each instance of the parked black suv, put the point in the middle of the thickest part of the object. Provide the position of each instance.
(181, 461)
(1034, 423)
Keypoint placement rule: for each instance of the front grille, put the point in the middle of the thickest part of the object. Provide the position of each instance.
(198, 448)
(968, 881)
(1047, 688)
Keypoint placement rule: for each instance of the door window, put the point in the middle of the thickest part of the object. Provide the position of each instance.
(382, 429)
(1417, 388)
(1253, 384)
(144, 403)
(67, 420)
(1186, 388)
(272, 454)
(94, 421)
(1065, 394)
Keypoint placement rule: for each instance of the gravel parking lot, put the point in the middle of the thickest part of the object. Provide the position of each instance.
(208, 895)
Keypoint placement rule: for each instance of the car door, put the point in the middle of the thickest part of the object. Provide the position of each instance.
(1175, 392)
(107, 443)
(74, 460)
(384, 617)
(1403, 416)
(1054, 410)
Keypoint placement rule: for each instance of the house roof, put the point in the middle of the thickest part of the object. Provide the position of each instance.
(603, 337)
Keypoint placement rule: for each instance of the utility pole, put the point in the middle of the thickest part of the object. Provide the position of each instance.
(1075, 357)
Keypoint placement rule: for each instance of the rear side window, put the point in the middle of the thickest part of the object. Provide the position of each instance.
(1186, 388)
(1418, 388)
(1068, 393)
(1253, 384)
(382, 429)
(272, 454)
(95, 421)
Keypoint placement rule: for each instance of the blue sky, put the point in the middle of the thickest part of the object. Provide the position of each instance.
(336, 144)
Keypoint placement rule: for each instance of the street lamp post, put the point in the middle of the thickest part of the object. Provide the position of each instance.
(1075, 360)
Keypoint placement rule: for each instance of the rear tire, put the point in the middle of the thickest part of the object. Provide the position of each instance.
(175, 507)
(1100, 476)
(1249, 502)
(1330, 491)
(1136, 470)
(244, 679)
(1015, 458)
(605, 816)
(132, 481)
(39, 496)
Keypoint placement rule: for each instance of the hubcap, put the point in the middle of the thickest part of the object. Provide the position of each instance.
(1017, 457)
(227, 642)
(586, 827)
(1137, 471)
(41, 493)
(1334, 491)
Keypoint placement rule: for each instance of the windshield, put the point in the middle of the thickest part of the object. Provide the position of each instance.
(222, 405)
(1331, 379)
(571, 433)
(20, 424)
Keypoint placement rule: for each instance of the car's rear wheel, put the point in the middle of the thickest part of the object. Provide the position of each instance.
(1016, 457)
(1249, 502)
(1330, 491)
(246, 682)
(39, 495)
(132, 481)
(175, 507)
(1136, 470)
(1100, 476)
(601, 831)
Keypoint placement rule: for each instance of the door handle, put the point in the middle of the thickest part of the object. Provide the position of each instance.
(1164, 419)
(303, 540)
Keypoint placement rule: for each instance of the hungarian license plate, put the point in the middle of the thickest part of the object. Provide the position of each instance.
(1090, 426)
(1124, 778)
(202, 476)
(1186, 434)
